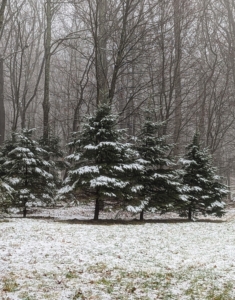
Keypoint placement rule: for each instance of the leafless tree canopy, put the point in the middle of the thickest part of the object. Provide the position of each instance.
(60, 59)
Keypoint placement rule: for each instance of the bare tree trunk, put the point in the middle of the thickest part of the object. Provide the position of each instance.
(2, 9)
(202, 109)
(47, 45)
(177, 74)
(101, 55)
(231, 29)
(2, 108)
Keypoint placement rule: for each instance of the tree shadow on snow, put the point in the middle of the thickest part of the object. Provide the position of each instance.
(135, 221)
(118, 221)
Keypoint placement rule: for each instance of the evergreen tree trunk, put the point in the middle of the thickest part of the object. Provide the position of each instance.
(26, 184)
(24, 208)
(229, 197)
(24, 212)
(97, 209)
(190, 214)
(142, 215)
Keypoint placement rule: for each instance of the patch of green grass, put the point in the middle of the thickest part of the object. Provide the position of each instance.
(78, 295)
(71, 274)
(9, 284)
(221, 294)
(26, 296)
(104, 281)
(204, 286)
(97, 268)
(107, 283)
(189, 283)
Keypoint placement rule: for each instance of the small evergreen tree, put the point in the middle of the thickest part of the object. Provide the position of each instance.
(202, 185)
(23, 167)
(101, 163)
(161, 187)
(55, 155)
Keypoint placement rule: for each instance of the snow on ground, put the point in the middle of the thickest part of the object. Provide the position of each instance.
(41, 259)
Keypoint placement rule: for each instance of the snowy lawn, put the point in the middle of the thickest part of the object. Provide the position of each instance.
(42, 259)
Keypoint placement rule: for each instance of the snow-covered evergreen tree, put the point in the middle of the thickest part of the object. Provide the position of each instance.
(202, 185)
(24, 169)
(6, 196)
(101, 164)
(6, 191)
(161, 187)
(55, 155)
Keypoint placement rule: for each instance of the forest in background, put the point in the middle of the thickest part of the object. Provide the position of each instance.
(60, 59)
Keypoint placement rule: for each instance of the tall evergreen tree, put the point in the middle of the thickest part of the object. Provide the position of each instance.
(202, 185)
(24, 169)
(101, 162)
(161, 187)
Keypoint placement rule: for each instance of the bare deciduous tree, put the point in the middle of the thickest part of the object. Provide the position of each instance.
(2, 108)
